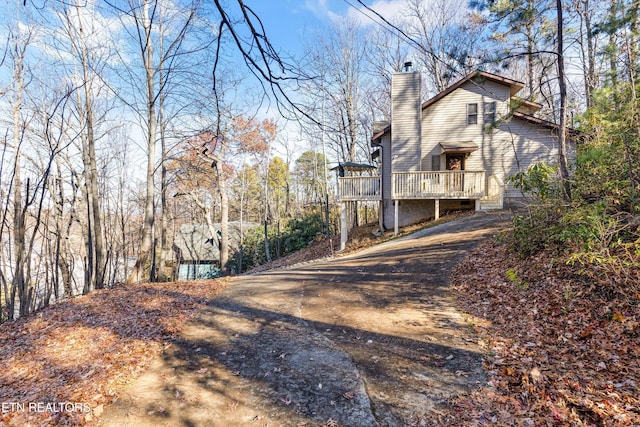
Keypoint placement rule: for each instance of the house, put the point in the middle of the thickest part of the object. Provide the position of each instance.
(197, 252)
(452, 151)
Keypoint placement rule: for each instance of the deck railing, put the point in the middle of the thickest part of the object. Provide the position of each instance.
(438, 185)
(416, 185)
(359, 188)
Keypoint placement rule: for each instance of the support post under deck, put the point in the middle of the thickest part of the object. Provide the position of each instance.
(343, 226)
(395, 216)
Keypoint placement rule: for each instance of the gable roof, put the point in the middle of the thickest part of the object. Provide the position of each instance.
(573, 133)
(529, 105)
(194, 243)
(476, 76)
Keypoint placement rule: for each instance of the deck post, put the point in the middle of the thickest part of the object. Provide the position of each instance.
(343, 225)
(478, 204)
(437, 210)
(395, 216)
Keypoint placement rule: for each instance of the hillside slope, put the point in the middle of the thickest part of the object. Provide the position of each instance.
(560, 350)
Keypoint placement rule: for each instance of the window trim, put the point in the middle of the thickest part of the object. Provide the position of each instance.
(489, 112)
(472, 116)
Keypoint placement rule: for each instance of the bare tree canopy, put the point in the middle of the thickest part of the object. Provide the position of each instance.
(101, 98)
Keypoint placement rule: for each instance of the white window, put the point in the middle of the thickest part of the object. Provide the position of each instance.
(489, 110)
(472, 114)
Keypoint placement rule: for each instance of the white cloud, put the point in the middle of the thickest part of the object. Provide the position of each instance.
(317, 7)
(323, 9)
(389, 9)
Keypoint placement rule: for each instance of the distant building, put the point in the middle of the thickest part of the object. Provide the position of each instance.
(197, 251)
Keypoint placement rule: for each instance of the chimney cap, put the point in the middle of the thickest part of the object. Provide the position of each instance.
(407, 66)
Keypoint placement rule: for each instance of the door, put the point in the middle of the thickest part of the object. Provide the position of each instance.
(455, 162)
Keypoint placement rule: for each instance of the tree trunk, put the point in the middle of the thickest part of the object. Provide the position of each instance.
(630, 144)
(562, 130)
(164, 206)
(164, 215)
(19, 208)
(19, 235)
(266, 206)
(96, 263)
(241, 239)
(590, 71)
(612, 51)
(94, 197)
(62, 236)
(267, 251)
(224, 220)
(142, 269)
(4, 285)
(530, 49)
(633, 40)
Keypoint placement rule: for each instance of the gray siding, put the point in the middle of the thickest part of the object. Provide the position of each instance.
(386, 166)
(385, 172)
(446, 120)
(513, 147)
(405, 122)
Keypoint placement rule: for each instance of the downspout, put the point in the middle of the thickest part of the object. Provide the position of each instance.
(381, 202)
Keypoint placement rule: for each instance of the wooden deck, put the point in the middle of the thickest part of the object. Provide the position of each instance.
(359, 188)
(416, 185)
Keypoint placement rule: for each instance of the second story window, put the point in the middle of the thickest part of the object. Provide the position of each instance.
(489, 109)
(472, 114)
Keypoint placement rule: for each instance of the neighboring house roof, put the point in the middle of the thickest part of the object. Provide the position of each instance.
(475, 76)
(194, 243)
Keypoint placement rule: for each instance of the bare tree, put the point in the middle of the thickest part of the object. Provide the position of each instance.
(147, 18)
(338, 58)
(387, 54)
(78, 24)
(203, 152)
(18, 46)
(447, 38)
(64, 192)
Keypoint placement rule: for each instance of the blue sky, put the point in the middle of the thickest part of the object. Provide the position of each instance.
(292, 24)
(289, 23)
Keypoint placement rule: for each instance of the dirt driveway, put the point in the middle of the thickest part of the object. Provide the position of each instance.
(365, 340)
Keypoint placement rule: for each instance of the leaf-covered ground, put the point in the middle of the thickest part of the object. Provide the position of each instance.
(560, 351)
(61, 365)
